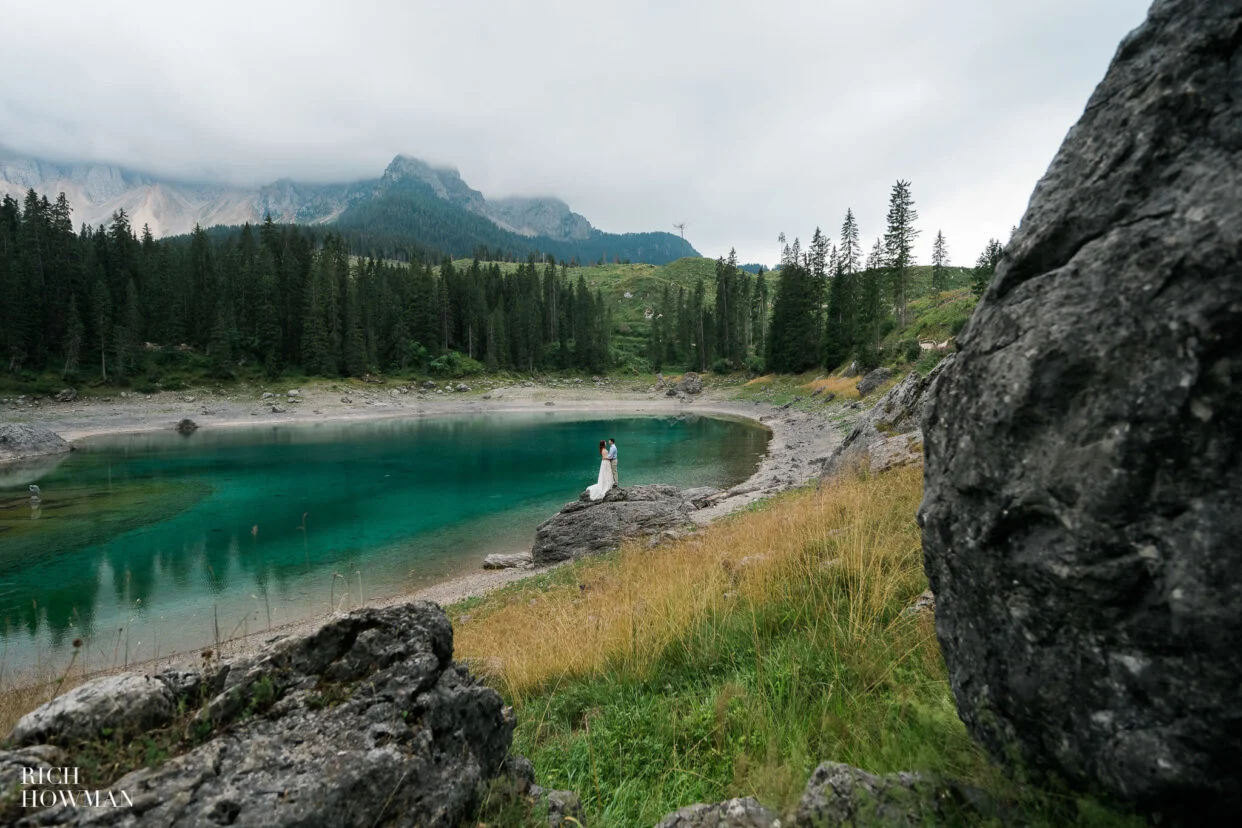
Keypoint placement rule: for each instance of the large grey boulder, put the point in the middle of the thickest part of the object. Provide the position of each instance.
(838, 794)
(130, 703)
(1083, 501)
(690, 383)
(888, 434)
(587, 527)
(365, 721)
(19, 441)
(873, 380)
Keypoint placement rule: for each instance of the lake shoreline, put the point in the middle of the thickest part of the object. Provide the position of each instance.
(798, 443)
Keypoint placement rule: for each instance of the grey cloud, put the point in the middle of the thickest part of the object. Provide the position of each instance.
(742, 118)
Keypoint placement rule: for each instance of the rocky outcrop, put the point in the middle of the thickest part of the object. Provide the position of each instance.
(365, 721)
(838, 794)
(888, 435)
(690, 383)
(18, 441)
(501, 560)
(735, 813)
(587, 527)
(873, 380)
(188, 426)
(1084, 453)
(130, 703)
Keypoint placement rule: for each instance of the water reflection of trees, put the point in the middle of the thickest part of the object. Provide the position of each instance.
(343, 486)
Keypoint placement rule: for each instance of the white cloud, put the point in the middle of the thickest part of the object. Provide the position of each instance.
(742, 118)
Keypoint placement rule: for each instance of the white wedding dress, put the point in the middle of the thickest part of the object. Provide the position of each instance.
(604, 483)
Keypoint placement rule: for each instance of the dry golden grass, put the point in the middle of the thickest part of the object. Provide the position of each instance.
(854, 542)
(23, 692)
(841, 386)
(766, 379)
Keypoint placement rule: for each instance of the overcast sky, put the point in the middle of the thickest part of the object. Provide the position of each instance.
(743, 119)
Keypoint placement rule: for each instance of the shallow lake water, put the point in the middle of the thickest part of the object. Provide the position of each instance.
(147, 544)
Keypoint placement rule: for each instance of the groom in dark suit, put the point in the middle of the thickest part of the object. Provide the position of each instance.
(612, 458)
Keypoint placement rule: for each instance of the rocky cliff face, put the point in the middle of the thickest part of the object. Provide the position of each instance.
(888, 435)
(96, 191)
(549, 217)
(1083, 496)
(366, 721)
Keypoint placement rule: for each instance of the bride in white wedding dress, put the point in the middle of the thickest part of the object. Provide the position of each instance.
(605, 481)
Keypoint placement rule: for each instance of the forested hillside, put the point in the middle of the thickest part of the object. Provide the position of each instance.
(109, 304)
(407, 220)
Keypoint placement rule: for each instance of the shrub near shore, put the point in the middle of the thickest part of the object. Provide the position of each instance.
(732, 662)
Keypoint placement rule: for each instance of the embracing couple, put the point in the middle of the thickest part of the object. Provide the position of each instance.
(607, 470)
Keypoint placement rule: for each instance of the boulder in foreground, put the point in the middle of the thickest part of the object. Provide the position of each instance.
(365, 721)
(1083, 500)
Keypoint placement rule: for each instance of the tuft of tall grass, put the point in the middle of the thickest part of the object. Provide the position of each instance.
(846, 387)
(24, 691)
(840, 560)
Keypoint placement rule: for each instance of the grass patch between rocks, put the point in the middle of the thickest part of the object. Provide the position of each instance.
(732, 662)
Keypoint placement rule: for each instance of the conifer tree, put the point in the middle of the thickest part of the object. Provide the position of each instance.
(870, 314)
(101, 308)
(220, 343)
(875, 259)
(851, 250)
(839, 327)
(354, 358)
(316, 357)
(940, 263)
(899, 244)
(759, 314)
(985, 267)
(73, 339)
(793, 341)
(127, 332)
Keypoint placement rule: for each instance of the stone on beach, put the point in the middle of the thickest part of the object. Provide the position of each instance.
(19, 441)
(496, 560)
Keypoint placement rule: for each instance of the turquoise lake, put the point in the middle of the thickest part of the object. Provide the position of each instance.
(147, 544)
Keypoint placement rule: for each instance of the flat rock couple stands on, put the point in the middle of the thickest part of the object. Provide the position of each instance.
(607, 470)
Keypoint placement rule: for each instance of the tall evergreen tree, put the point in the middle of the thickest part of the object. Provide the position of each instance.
(899, 244)
(73, 339)
(101, 308)
(940, 263)
(851, 249)
(794, 336)
(759, 306)
(985, 267)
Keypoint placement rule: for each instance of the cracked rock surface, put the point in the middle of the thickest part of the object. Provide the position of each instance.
(366, 721)
(1083, 498)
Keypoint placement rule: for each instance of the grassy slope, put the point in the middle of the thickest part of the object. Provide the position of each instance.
(731, 663)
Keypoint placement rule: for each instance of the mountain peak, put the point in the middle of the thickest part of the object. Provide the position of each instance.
(173, 207)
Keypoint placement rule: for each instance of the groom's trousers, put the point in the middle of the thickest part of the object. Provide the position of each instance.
(615, 479)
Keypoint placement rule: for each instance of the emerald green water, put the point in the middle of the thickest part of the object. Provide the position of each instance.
(148, 544)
